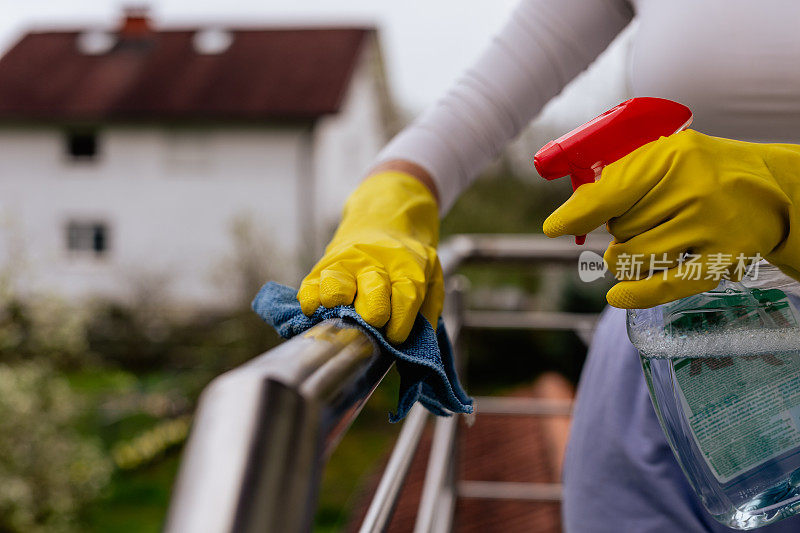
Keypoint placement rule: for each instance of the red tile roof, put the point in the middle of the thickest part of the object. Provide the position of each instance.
(269, 74)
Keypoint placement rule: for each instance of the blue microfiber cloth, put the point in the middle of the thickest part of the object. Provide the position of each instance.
(424, 361)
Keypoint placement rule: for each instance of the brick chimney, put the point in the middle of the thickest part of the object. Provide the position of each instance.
(135, 23)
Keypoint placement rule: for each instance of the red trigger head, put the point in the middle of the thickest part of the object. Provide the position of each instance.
(551, 161)
(584, 151)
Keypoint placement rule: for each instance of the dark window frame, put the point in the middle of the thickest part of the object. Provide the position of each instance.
(88, 237)
(82, 145)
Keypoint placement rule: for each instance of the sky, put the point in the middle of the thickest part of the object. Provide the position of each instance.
(427, 43)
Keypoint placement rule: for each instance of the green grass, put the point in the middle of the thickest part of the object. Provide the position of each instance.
(348, 471)
(136, 500)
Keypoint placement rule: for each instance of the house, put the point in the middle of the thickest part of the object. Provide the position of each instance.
(143, 158)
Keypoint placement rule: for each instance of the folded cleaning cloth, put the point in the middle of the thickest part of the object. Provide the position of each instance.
(424, 361)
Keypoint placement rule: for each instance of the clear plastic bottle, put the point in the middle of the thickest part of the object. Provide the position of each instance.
(723, 369)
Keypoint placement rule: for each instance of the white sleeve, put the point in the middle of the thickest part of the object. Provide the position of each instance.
(544, 45)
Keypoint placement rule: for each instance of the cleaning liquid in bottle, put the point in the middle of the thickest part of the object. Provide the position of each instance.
(723, 370)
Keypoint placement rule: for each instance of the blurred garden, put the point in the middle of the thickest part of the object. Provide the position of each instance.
(95, 403)
(96, 400)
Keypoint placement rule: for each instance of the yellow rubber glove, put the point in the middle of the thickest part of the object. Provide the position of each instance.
(383, 256)
(690, 194)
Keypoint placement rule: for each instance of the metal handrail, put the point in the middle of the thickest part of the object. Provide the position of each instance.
(509, 248)
(263, 432)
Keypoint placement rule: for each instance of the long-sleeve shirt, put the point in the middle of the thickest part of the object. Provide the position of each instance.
(733, 62)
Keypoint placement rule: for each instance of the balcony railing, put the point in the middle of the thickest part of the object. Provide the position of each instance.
(263, 432)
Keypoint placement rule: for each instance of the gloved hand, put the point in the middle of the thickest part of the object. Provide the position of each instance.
(383, 255)
(690, 193)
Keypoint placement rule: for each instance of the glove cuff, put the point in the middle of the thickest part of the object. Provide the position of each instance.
(783, 162)
(396, 201)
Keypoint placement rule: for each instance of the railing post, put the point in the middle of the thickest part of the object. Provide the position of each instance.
(383, 503)
(440, 490)
(438, 499)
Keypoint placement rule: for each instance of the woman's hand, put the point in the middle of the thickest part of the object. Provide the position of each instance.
(382, 257)
(716, 200)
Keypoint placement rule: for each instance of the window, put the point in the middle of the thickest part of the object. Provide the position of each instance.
(87, 238)
(82, 145)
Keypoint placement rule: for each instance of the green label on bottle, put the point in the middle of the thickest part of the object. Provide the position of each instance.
(742, 411)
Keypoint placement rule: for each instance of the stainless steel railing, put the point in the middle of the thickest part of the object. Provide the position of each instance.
(263, 432)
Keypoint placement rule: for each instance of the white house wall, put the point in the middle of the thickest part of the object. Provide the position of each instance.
(169, 198)
(346, 144)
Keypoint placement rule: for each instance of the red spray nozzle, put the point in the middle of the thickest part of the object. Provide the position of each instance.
(583, 152)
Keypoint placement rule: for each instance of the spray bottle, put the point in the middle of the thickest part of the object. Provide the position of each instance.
(723, 366)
